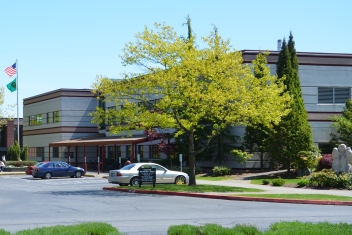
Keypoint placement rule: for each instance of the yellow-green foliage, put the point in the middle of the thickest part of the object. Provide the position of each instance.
(189, 84)
(181, 86)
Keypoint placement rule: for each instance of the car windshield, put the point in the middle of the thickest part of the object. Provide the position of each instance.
(128, 167)
(39, 163)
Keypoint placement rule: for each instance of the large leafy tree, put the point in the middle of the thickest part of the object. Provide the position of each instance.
(343, 126)
(293, 134)
(181, 85)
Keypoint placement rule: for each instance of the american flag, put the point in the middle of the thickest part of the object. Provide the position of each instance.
(11, 70)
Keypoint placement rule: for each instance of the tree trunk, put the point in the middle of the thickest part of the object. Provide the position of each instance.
(261, 161)
(192, 160)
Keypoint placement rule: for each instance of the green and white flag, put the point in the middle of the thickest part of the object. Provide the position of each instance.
(12, 85)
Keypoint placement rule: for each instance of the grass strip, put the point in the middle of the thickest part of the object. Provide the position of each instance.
(96, 228)
(195, 189)
(301, 196)
(280, 228)
(215, 178)
(259, 180)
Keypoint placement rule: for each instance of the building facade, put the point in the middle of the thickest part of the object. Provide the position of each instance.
(326, 82)
(9, 134)
(57, 115)
(58, 122)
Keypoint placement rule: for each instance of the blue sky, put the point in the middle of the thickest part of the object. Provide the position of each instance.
(67, 43)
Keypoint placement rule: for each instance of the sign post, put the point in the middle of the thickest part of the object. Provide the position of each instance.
(180, 161)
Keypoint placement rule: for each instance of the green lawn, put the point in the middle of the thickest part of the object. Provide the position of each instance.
(301, 196)
(215, 178)
(259, 180)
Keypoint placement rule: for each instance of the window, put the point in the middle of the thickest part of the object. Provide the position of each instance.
(40, 152)
(140, 151)
(154, 151)
(47, 117)
(55, 151)
(128, 151)
(35, 120)
(56, 116)
(112, 152)
(333, 95)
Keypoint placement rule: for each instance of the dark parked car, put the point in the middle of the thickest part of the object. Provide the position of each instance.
(57, 169)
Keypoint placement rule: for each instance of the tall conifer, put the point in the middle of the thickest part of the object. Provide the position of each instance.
(294, 133)
(256, 134)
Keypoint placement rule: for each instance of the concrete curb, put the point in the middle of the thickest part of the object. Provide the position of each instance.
(237, 198)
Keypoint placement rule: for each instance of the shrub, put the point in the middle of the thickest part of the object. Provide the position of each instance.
(221, 171)
(278, 182)
(265, 182)
(325, 162)
(14, 152)
(307, 159)
(21, 163)
(4, 232)
(24, 153)
(96, 228)
(325, 179)
(345, 180)
(302, 182)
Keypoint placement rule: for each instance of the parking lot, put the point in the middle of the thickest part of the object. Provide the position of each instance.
(27, 203)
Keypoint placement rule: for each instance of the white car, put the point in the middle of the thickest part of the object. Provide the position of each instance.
(128, 175)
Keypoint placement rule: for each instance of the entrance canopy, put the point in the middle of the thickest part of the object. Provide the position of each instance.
(99, 141)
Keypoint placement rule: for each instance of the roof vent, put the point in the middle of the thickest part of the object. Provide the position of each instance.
(279, 45)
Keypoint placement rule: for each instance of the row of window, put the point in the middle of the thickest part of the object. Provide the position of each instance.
(115, 153)
(112, 152)
(333, 95)
(38, 118)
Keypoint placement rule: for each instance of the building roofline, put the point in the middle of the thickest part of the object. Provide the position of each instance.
(62, 92)
(304, 58)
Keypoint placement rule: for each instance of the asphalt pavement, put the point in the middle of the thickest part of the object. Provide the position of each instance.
(237, 182)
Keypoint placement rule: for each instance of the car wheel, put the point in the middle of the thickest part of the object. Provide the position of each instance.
(180, 180)
(134, 181)
(123, 184)
(47, 175)
(78, 174)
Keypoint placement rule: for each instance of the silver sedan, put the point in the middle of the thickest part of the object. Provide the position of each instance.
(129, 175)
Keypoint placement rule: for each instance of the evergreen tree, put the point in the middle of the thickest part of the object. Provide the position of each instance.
(293, 134)
(14, 152)
(24, 153)
(343, 125)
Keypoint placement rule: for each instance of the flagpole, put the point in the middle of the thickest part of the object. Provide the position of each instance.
(18, 119)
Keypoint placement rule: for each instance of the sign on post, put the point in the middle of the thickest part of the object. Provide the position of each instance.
(146, 175)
